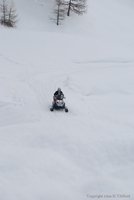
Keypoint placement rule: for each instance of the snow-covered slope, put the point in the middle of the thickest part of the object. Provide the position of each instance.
(89, 150)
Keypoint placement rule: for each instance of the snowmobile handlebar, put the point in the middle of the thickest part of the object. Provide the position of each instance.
(59, 97)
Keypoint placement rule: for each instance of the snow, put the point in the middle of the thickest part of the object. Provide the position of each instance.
(88, 151)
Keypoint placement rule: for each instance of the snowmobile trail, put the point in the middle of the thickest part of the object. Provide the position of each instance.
(43, 87)
(41, 91)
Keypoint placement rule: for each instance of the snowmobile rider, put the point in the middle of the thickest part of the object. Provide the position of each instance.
(58, 93)
(58, 102)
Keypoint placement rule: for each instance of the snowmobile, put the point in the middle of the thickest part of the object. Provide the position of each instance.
(58, 103)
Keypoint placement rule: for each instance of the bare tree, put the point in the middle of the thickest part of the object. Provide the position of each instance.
(77, 6)
(8, 16)
(59, 11)
(12, 16)
(3, 12)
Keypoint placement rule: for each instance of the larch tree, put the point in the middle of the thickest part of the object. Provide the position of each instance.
(8, 16)
(3, 12)
(59, 11)
(77, 6)
(12, 16)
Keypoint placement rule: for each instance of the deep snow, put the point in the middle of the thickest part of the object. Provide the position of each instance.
(89, 150)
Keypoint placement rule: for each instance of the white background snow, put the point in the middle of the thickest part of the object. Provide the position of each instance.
(88, 151)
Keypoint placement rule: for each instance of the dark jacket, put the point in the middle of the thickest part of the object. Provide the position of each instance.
(57, 94)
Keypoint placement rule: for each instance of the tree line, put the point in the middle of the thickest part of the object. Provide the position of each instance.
(62, 8)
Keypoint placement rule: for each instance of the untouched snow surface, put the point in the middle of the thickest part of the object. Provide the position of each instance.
(88, 151)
